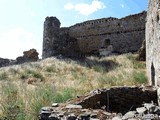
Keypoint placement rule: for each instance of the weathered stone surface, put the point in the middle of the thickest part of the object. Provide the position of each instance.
(4, 62)
(28, 56)
(70, 106)
(124, 35)
(142, 52)
(55, 105)
(129, 115)
(50, 36)
(72, 117)
(141, 110)
(115, 100)
(56, 41)
(153, 42)
(31, 54)
(116, 118)
(118, 102)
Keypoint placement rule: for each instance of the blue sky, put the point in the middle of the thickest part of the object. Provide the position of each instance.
(21, 21)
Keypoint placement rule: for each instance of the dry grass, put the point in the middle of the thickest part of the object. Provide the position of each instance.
(33, 85)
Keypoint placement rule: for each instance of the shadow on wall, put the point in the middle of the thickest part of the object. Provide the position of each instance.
(153, 75)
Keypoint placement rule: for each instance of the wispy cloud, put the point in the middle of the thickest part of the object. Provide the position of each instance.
(86, 9)
(122, 5)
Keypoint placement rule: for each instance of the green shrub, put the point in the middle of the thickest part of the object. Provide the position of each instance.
(107, 80)
(3, 76)
(14, 71)
(98, 68)
(130, 57)
(50, 69)
(35, 74)
(23, 76)
(136, 64)
(139, 65)
(140, 77)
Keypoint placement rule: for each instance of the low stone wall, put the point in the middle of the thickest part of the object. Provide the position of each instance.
(101, 104)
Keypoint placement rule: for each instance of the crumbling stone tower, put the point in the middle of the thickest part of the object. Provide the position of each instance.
(50, 36)
(153, 42)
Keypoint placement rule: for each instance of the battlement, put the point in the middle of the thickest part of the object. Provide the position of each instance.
(109, 19)
(93, 22)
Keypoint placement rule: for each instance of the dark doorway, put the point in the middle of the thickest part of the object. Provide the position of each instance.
(153, 74)
(107, 42)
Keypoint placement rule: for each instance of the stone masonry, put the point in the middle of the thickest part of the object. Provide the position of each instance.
(124, 35)
(28, 56)
(107, 104)
(153, 42)
(56, 41)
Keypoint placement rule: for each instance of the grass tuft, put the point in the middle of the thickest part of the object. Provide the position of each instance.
(140, 77)
(3, 76)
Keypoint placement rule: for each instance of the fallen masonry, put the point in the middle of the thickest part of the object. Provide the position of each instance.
(28, 56)
(117, 103)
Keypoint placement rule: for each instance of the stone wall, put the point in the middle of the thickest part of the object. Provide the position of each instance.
(153, 42)
(57, 41)
(125, 35)
(104, 104)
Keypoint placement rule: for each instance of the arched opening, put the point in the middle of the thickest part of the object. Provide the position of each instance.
(153, 75)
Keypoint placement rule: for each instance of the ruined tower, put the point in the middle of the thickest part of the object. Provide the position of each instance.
(153, 42)
(50, 36)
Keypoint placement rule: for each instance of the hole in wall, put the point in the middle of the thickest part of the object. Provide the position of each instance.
(153, 74)
(107, 42)
(157, 17)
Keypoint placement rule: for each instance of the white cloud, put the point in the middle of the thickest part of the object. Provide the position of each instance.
(122, 5)
(86, 9)
(15, 41)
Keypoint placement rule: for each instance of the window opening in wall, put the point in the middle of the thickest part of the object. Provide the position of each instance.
(153, 74)
(107, 42)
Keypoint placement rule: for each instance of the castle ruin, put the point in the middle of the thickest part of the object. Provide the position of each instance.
(114, 35)
(153, 42)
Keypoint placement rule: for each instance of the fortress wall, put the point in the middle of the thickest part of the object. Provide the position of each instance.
(109, 25)
(121, 42)
(123, 35)
(153, 42)
(126, 34)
